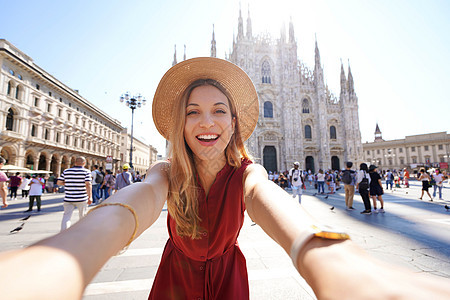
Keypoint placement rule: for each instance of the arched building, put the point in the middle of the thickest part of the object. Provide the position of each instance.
(44, 124)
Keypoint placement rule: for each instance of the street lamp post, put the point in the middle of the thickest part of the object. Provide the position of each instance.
(133, 103)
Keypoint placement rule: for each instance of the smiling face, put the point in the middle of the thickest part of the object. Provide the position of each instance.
(209, 123)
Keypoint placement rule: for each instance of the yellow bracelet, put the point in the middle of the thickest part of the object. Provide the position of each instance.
(136, 221)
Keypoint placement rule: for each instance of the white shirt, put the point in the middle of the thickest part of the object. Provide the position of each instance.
(438, 178)
(296, 174)
(24, 185)
(36, 187)
(320, 177)
(94, 175)
(360, 176)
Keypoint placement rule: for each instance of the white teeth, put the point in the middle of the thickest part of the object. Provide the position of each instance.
(207, 136)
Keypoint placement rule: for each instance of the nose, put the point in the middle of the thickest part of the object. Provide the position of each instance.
(206, 121)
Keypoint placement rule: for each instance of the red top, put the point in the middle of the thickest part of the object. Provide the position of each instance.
(212, 267)
(14, 181)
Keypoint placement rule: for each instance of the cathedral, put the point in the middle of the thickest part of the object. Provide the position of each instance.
(300, 118)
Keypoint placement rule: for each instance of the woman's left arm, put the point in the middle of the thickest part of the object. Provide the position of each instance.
(327, 264)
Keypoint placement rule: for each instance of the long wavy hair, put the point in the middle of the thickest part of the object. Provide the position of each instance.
(182, 202)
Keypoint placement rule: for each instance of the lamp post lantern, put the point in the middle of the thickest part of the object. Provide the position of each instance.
(133, 103)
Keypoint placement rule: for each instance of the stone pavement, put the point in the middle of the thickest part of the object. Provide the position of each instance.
(412, 233)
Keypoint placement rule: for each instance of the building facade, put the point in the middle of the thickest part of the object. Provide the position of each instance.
(413, 152)
(44, 124)
(143, 154)
(300, 118)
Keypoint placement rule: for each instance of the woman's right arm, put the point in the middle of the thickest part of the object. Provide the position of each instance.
(60, 267)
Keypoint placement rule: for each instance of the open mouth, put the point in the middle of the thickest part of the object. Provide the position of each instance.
(207, 137)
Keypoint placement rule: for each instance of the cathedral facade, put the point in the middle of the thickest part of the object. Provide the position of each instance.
(300, 119)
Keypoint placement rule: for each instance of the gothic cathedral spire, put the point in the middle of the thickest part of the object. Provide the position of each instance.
(343, 80)
(174, 56)
(240, 25)
(184, 55)
(317, 55)
(213, 44)
(249, 24)
(351, 88)
(291, 32)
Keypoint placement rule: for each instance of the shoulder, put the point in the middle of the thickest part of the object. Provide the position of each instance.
(255, 170)
(159, 168)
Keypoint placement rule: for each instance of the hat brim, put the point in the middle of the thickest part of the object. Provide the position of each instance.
(176, 80)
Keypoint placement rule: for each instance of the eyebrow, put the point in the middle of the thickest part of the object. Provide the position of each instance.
(217, 103)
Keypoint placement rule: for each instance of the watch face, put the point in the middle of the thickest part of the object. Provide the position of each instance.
(333, 235)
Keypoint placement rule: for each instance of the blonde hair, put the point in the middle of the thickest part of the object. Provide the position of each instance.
(182, 202)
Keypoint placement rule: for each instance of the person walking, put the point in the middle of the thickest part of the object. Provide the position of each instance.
(406, 177)
(295, 177)
(78, 188)
(108, 183)
(123, 179)
(362, 185)
(389, 179)
(35, 193)
(425, 178)
(348, 178)
(3, 184)
(97, 180)
(14, 183)
(25, 186)
(320, 182)
(376, 189)
(439, 182)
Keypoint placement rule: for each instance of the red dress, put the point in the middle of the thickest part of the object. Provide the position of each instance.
(212, 267)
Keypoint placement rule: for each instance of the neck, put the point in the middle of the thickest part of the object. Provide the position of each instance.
(208, 169)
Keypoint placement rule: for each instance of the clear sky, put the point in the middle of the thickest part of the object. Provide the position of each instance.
(398, 50)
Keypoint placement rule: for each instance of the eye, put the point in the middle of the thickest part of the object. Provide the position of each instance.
(192, 112)
(221, 111)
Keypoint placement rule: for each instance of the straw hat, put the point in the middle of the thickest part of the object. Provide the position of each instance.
(231, 77)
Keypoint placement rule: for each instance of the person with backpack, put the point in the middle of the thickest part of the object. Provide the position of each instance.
(123, 179)
(295, 177)
(362, 185)
(348, 178)
(97, 180)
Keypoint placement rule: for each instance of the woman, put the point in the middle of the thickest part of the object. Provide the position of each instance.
(376, 189)
(35, 193)
(362, 185)
(425, 178)
(320, 182)
(25, 187)
(208, 183)
(108, 183)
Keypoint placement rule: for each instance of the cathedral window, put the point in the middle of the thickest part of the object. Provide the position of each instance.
(11, 72)
(308, 133)
(33, 130)
(305, 106)
(10, 120)
(332, 132)
(46, 134)
(265, 71)
(268, 109)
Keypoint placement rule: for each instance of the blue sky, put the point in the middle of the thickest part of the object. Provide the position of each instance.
(397, 50)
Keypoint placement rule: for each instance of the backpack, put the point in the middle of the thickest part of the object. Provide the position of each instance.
(364, 184)
(391, 176)
(347, 177)
(99, 177)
